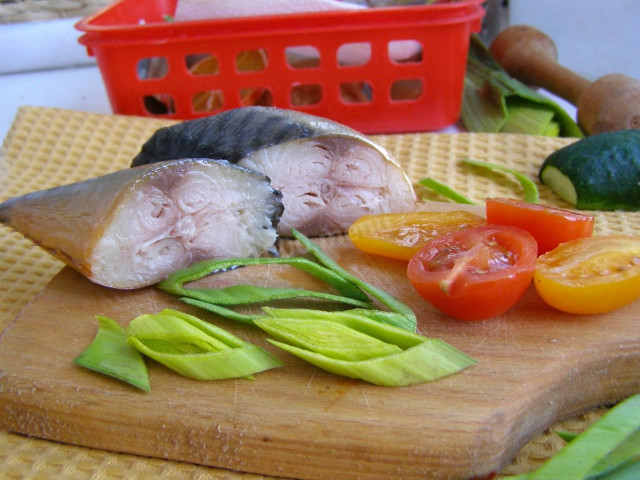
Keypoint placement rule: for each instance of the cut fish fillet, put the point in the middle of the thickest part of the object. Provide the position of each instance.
(329, 174)
(132, 228)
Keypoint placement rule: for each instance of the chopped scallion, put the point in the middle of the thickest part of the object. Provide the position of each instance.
(110, 354)
(338, 345)
(445, 190)
(196, 349)
(608, 449)
(531, 193)
(385, 298)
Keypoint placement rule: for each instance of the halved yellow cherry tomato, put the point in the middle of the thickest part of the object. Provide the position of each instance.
(402, 235)
(590, 275)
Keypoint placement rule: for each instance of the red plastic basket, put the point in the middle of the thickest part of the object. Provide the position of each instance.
(155, 67)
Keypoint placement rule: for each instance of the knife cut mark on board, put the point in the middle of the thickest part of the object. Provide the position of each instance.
(310, 381)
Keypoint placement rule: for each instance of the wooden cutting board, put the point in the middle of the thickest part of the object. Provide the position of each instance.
(535, 366)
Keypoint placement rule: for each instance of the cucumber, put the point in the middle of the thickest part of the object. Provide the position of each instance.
(599, 172)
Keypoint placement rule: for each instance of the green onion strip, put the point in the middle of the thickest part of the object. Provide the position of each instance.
(531, 193)
(609, 449)
(352, 288)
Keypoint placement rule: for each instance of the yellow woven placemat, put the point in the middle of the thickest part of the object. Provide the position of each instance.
(46, 147)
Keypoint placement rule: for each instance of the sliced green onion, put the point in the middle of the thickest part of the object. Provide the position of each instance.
(400, 357)
(328, 338)
(174, 283)
(196, 349)
(385, 298)
(391, 318)
(608, 449)
(627, 471)
(445, 190)
(378, 316)
(222, 311)
(531, 193)
(566, 436)
(625, 453)
(247, 294)
(110, 354)
(352, 288)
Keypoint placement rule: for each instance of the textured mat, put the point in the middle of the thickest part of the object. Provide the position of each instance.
(21, 11)
(47, 147)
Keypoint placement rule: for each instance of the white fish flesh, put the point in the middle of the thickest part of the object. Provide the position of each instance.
(329, 174)
(132, 228)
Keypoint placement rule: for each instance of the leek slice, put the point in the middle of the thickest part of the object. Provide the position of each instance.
(534, 119)
(352, 288)
(247, 294)
(328, 338)
(531, 193)
(196, 349)
(625, 453)
(415, 359)
(445, 190)
(607, 449)
(110, 354)
(493, 101)
(387, 333)
(220, 310)
(391, 318)
(385, 298)
(174, 283)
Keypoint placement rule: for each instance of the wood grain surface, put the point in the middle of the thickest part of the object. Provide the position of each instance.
(535, 366)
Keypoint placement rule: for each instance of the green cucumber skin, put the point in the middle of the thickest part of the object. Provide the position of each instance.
(604, 170)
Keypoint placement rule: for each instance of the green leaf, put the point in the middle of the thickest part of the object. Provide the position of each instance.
(196, 349)
(110, 354)
(531, 193)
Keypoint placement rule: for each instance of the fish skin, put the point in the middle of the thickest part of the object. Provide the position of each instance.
(93, 225)
(233, 134)
(239, 133)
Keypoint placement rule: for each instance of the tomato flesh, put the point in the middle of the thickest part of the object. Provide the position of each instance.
(590, 275)
(402, 235)
(550, 226)
(477, 273)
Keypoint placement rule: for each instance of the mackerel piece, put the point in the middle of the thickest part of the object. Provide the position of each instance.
(132, 228)
(329, 174)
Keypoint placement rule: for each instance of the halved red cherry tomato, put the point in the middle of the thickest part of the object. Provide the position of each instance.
(402, 235)
(590, 275)
(477, 273)
(550, 226)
